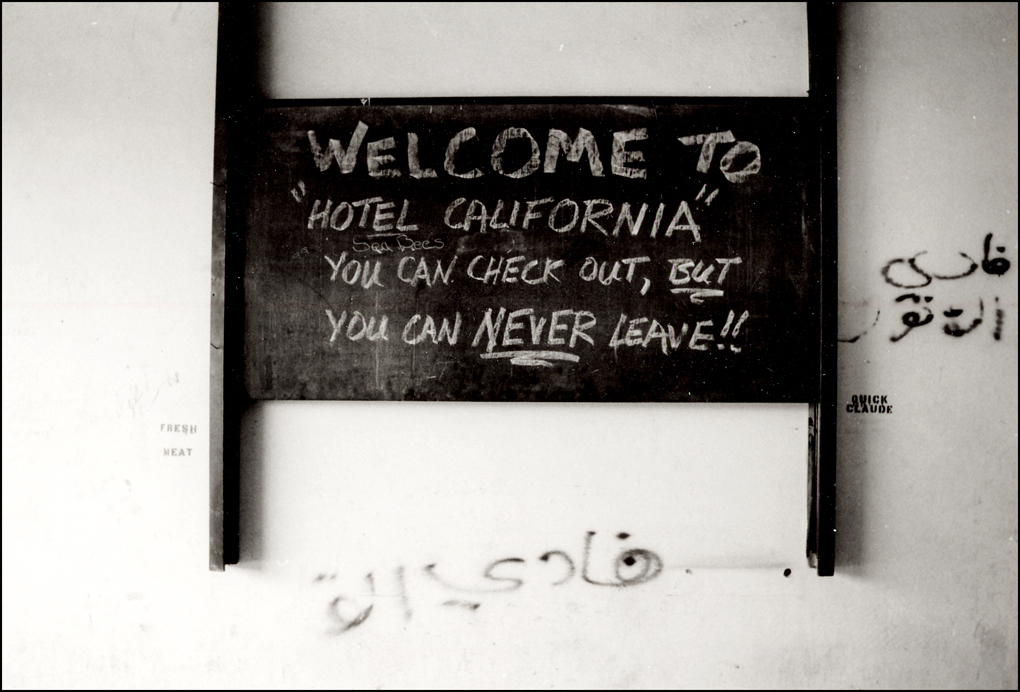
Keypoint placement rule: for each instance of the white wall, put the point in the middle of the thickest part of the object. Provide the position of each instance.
(559, 49)
(107, 128)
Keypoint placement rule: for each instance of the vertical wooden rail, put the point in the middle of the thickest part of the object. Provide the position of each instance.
(821, 548)
(236, 98)
(236, 91)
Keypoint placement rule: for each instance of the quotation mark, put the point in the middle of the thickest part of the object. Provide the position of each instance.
(708, 200)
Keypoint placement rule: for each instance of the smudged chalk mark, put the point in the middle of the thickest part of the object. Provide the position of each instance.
(403, 593)
(955, 329)
(570, 565)
(514, 582)
(943, 277)
(467, 605)
(651, 565)
(430, 570)
(912, 319)
(891, 273)
(853, 339)
(997, 266)
(698, 294)
(533, 358)
(344, 622)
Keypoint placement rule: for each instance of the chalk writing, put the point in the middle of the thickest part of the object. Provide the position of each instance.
(738, 164)
(143, 391)
(385, 243)
(627, 160)
(566, 216)
(505, 252)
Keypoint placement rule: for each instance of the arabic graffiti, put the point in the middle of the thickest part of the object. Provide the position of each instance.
(962, 315)
(631, 567)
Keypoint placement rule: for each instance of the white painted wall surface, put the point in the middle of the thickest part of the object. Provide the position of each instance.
(107, 158)
(556, 49)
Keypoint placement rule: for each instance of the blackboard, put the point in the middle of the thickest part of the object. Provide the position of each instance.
(508, 251)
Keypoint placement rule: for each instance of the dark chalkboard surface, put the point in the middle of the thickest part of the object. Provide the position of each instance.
(534, 252)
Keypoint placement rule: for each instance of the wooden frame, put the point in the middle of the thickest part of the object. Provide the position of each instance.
(238, 106)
